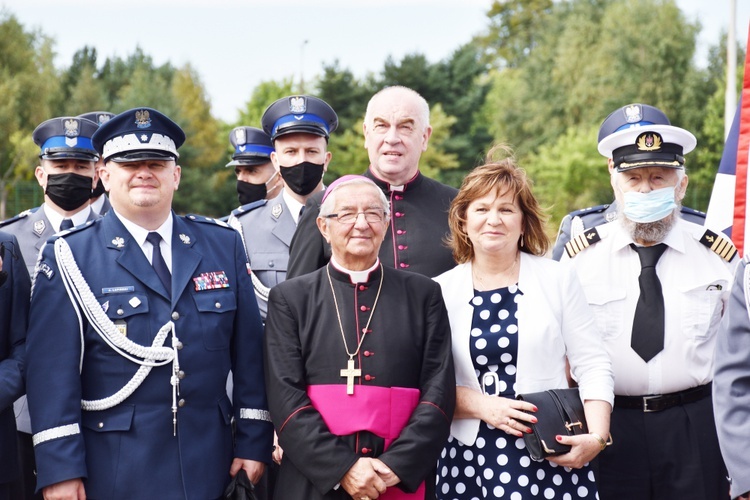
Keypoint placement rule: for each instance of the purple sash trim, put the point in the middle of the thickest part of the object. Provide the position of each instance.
(384, 411)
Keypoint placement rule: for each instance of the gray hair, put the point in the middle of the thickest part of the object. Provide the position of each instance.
(326, 208)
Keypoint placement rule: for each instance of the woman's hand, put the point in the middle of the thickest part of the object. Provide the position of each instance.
(506, 414)
(584, 448)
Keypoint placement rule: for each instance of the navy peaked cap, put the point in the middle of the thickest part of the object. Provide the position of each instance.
(251, 146)
(299, 114)
(66, 137)
(639, 135)
(139, 134)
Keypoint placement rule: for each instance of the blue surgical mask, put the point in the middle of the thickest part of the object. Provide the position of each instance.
(649, 207)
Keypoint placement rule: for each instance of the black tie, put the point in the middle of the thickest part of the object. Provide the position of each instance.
(648, 324)
(66, 224)
(162, 271)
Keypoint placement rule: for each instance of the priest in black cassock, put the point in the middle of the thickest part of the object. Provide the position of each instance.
(359, 370)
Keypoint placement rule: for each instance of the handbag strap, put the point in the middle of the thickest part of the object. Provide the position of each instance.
(569, 401)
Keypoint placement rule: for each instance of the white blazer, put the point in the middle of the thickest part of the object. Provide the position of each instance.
(554, 321)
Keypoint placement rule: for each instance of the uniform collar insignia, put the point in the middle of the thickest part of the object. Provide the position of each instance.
(39, 227)
(185, 238)
(609, 217)
(118, 242)
(277, 210)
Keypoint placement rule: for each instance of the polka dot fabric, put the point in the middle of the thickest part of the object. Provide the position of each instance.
(497, 465)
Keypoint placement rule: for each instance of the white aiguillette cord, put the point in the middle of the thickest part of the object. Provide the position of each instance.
(155, 355)
(350, 371)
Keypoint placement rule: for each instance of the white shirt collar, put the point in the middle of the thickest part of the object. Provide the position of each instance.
(98, 204)
(55, 218)
(356, 276)
(293, 205)
(139, 233)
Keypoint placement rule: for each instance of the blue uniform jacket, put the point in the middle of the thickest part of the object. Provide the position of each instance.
(129, 451)
(14, 309)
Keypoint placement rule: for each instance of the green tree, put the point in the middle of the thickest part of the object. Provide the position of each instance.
(28, 85)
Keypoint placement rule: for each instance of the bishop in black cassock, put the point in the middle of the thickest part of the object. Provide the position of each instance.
(396, 355)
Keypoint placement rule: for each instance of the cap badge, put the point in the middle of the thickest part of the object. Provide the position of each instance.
(118, 242)
(102, 119)
(649, 141)
(297, 105)
(276, 210)
(633, 113)
(142, 119)
(71, 142)
(39, 227)
(185, 238)
(240, 136)
(71, 128)
(144, 138)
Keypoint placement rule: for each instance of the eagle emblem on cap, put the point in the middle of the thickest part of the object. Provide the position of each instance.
(71, 127)
(102, 119)
(142, 118)
(240, 136)
(633, 113)
(297, 104)
(649, 141)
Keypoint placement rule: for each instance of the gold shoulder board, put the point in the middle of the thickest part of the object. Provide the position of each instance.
(719, 245)
(584, 240)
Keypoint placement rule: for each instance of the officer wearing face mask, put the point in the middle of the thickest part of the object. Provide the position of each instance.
(298, 127)
(257, 179)
(67, 174)
(658, 287)
(578, 221)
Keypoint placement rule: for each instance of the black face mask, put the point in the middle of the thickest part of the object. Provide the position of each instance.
(248, 192)
(303, 177)
(98, 190)
(68, 191)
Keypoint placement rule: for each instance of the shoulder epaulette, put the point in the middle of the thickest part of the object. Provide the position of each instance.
(248, 207)
(20, 216)
(589, 210)
(719, 245)
(206, 220)
(585, 240)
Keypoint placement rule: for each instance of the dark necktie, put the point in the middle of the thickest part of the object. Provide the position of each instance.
(66, 224)
(647, 339)
(162, 271)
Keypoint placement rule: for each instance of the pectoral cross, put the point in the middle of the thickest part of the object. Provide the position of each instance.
(349, 372)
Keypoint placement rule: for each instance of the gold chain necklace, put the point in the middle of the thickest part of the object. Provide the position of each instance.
(508, 274)
(349, 372)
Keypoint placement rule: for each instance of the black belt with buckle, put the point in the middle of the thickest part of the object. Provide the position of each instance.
(661, 402)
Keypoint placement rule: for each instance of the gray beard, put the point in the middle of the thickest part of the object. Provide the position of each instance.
(650, 232)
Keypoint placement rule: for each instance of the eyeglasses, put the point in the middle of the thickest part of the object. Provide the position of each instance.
(371, 216)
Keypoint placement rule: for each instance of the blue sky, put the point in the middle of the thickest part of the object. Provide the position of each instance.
(235, 44)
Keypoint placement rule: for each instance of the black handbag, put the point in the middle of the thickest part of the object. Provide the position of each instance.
(559, 413)
(240, 488)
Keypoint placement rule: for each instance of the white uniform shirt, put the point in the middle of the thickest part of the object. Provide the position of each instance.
(696, 284)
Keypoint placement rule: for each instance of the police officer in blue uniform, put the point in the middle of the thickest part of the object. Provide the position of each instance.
(67, 173)
(15, 288)
(136, 320)
(257, 179)
(578, 221)
(99, 201)
(299, 127)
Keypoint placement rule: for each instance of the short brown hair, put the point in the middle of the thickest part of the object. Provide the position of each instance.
(501, 174)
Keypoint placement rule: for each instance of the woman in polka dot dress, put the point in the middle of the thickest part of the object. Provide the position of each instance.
(516, 317)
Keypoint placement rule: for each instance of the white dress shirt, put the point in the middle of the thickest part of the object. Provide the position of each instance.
(139, 235)
(696, 286)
